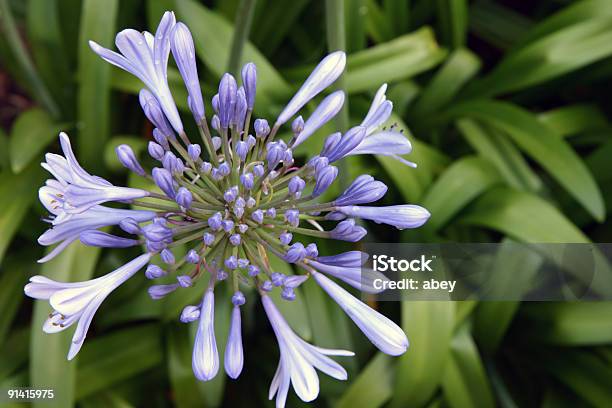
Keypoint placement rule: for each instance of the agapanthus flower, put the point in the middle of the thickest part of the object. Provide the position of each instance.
(231, 200)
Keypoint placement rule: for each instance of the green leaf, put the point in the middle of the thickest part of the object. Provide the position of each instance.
(33, 130)
(465, 381)
(23, 62)
(403, 94)
(111, 359)
(572, 14)
(528, 218)
(571, 324)
(572, 119)
(16, 196)
(376, 24)
(182, 379)
(105, 399)
(497, 24)
(509, 272)
(429, 326)
(47, 46)
(523, 216)
(583, 372)
(460, 66)
(49, 368)
(395, 60)
(495, 147)
(463, 310)
(397, 14)
(93, 99)
(355, 25)
(453, 21)
(271, 36)
(558, 53)
(373, 387)
(460, 183)
(14, 352)
(4, 150)
(155, 11)
(11, 284)
(320, 317)
(212, 35)
(543, 145)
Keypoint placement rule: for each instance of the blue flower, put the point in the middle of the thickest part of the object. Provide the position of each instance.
(233, 201)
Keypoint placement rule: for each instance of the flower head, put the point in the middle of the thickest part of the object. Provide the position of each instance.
(233, 199)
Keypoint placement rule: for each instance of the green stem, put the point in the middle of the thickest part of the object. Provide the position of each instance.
(317, 207)
(242, 26)
(23, 58)
(208, 143)
(188, 228)
(336, 41)
(156, 206)
(309, 232)
(188, 238)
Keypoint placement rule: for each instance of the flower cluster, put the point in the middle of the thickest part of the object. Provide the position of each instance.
(233, 200)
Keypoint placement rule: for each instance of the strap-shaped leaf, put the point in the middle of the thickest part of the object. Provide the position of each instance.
(542, 144)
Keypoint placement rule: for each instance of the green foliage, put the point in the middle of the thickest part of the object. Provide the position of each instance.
(508, 112)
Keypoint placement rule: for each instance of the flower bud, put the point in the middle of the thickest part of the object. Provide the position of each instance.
(154, 272)
(190, 314)
(184, 198)
(163, 179)
(156, 151)
(324, 178)
(298, 125)
(126, 156)
(262, 129)
(194, 151)
(249, 81)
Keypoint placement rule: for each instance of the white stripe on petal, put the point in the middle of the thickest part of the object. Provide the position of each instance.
(384, 143)
(379, 98)
(205, 362)
(298, 361)
(83, 326)
(328, 70)
(73, 299)
(327, 109)
(114, 58)
(276, 380)
(400, 216)
(381, 331)
(234, 354)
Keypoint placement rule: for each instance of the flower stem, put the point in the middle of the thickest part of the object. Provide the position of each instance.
(156, 206)
(242, 26)
(336, 41)
(188, 238)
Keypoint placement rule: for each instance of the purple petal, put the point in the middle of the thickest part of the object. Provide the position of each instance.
(327, 109)
(328, 70)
